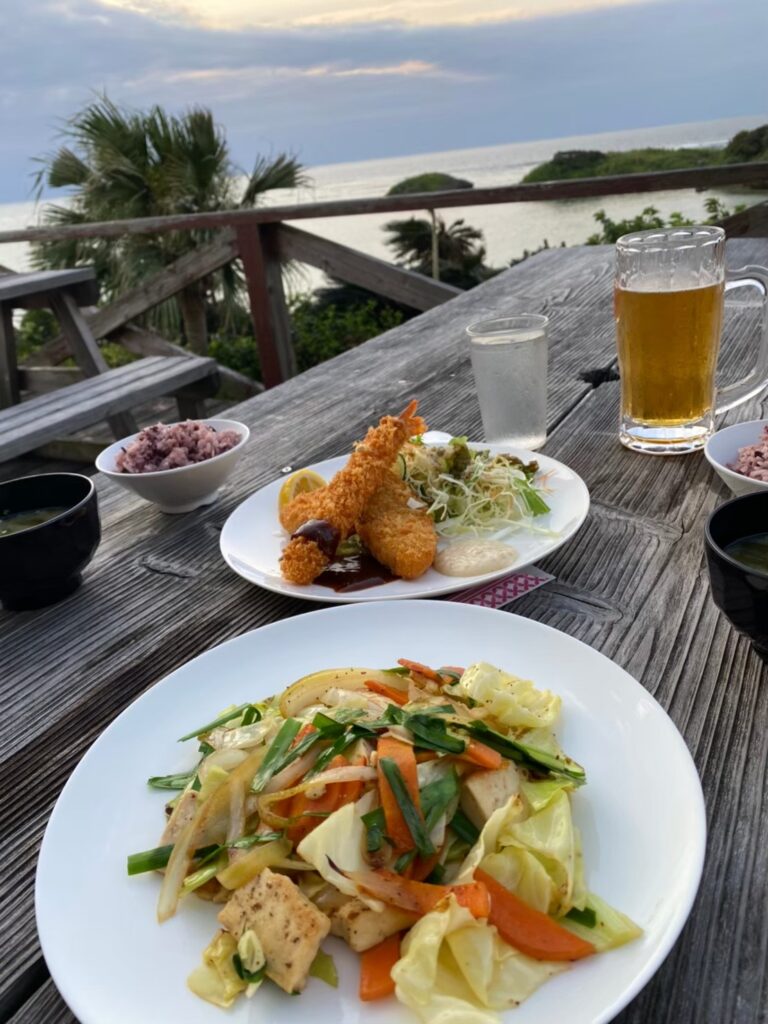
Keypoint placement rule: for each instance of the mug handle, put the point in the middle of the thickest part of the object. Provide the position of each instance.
(751, 385)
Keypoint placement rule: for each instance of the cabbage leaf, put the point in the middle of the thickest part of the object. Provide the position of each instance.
(456, 970)
(612, 929)
(338, 842)
(514, 702)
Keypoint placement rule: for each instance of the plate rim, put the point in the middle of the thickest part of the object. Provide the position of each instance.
(686, 897)
(276, 585)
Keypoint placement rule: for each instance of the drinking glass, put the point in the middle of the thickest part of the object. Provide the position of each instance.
(509, 363)
(668, 304)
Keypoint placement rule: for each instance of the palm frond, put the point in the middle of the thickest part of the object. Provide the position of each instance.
(281, 172)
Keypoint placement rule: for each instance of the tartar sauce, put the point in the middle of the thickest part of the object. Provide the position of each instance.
(473, 557)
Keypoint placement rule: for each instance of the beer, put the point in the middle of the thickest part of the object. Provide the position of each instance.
(668, 343)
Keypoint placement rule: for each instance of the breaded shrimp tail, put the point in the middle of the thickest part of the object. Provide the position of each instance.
(400, 537)
(342, 501)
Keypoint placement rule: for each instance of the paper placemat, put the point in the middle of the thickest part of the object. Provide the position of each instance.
(504, 591)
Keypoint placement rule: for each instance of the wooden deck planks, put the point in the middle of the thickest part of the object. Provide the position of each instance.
(631, 583)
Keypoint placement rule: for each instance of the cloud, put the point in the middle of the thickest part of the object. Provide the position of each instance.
(239, 14)
(260, 73)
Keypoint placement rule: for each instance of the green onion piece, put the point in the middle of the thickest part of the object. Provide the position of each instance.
(404, 861)
(180, 781)
(278, 749)
(436, 875)
(324, 968)
(587, 916)
(430, 732)
(329, 727)
(375, 824)
(464, 828)
(252, 977)
(222, 720)
(153, 860)
(205, 748)
(149, 860)
(252, 714)
(202, 875)
(337, 747)
(436, 796)
(399, 671)
(410, 813)
(528, 757)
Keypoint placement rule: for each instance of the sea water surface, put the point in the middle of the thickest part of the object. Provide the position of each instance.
(508, 229)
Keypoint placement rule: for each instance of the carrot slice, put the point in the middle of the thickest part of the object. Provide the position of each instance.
(398, 696)
(423, 866)
(528, 930)
(376, 966)
(482, 755)
(304, 810)
(405, 759)
(420, 897)
(423, 670)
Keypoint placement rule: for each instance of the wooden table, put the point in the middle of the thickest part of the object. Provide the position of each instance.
(632, 584)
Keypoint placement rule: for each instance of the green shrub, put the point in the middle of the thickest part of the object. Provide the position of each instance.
(319, 333)
(430, 181)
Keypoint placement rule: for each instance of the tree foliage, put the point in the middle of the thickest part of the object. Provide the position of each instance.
(118, 163)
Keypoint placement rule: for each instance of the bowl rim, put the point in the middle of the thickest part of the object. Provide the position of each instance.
(162, 474)
(712, 543)
(721, 467)
(61, 515)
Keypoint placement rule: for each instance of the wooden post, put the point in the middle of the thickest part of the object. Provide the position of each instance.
(435, 248)
(87, 354)
(271, 324)
(9, 376)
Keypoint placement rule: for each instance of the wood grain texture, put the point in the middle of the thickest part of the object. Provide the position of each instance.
(357, 268)
(79, 282)
(169, 281)
(26, 426)
(632, 584)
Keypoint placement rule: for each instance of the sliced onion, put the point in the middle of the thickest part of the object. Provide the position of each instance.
(291, 774)
(349, 773)
(244, 736)
(176, 872)
(226, 758)
(236, 825)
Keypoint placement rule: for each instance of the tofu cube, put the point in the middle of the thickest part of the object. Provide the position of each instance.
(289, 927)
(484, 792)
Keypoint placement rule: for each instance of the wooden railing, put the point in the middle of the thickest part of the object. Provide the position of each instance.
(261, 239)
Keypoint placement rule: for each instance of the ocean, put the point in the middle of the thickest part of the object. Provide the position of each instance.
(508, 229)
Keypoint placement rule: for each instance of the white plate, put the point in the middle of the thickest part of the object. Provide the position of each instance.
(641, 816)
(252, 540)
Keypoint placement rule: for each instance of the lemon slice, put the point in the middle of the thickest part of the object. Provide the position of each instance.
(301, 482)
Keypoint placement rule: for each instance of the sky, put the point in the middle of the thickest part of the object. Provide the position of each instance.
(348, 80)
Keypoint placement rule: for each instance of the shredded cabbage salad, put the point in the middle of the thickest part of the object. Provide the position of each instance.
(469, 490)
(421, 815)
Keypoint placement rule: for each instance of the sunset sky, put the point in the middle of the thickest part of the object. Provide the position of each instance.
(355, 79)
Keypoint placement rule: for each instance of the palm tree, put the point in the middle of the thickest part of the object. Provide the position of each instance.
(460, 253)
(121, 164)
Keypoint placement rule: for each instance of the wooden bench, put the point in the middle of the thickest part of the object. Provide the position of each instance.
(105, 394)
(30, 424)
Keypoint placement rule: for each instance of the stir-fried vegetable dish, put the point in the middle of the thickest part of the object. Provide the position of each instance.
(422, 815)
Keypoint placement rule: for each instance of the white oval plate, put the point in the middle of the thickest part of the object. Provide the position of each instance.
(643, 836)
(252, 539)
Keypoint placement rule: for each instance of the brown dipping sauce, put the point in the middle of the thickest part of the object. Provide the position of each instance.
(354, 572)
(323, 533)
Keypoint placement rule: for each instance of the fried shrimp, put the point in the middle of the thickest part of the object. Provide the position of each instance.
(331, 512)
(400, 537)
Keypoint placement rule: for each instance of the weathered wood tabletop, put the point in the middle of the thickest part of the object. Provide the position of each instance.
(632, 584)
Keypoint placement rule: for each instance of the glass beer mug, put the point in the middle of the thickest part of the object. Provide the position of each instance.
(668, 304)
